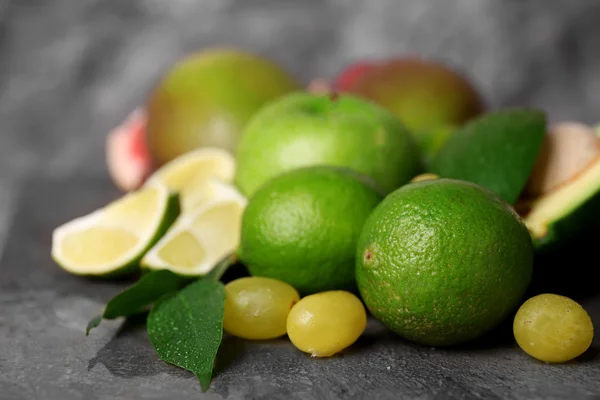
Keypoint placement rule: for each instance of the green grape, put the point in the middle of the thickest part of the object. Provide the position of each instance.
(257, 308)
(325, 323)
(553, 328)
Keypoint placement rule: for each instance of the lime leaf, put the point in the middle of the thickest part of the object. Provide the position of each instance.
(496, 150)
(133, 300)
(186, 329)
(150, 288)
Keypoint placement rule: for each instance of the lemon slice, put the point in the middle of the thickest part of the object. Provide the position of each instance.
(112, 240)
(188, 174)
(199, 239)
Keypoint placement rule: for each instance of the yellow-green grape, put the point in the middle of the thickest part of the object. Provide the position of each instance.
(324, 324)
(257, 308)
(553, 328)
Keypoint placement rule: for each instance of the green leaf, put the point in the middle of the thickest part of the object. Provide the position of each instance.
(496, 150)
(186, 329)
(135, 299)
(143, 293)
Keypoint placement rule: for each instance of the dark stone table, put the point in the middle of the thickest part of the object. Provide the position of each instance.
(44, 353)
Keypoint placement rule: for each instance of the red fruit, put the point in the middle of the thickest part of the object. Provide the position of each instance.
(127, 155)
(431, 98)
(424, 94)
(351, 73)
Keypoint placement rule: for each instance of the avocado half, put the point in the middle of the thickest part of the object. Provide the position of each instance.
(566, 212)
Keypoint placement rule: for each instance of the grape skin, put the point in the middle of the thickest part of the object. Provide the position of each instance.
(325, 323)
(553, 328)
(257, 308)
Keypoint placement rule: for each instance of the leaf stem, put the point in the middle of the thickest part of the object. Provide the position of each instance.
(222, 266)
(94, 322)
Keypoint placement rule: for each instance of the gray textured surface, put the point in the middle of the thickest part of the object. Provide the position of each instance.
(72, 69)
(45, 355)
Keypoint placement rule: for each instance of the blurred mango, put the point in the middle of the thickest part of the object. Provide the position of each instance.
(205, 99)
(429, 97)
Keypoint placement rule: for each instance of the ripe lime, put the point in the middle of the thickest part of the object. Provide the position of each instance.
(442, 261)
(302, 227)
(304, 129)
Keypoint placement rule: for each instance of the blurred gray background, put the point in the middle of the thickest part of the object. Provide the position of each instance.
(71, 70)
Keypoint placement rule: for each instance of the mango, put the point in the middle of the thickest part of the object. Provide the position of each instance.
(431, 98)
(206, 98)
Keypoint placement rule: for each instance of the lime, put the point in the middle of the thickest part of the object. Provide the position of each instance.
(302, 227)
(304, 129)
(200, 238)
(111, 241)
(442, 261)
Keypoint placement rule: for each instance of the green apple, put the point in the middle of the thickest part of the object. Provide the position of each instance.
(206, 99)
(303, 129)
(430, 97)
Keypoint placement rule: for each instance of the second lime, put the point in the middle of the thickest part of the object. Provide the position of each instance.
(302, 227)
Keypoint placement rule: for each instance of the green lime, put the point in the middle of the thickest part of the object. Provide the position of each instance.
(440, 262)
(304, 129)
(302, 227)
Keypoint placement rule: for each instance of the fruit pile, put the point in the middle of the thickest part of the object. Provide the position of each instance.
(392, 192)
